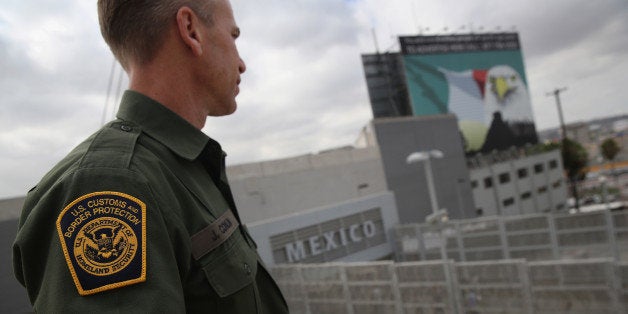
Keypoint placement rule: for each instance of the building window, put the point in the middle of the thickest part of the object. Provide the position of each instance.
(538, 168)
(560, 206)
(557, 184)
(526, 195)
(474, 184)
(488, 182)
(504, 178)
(542, 189)
(479, 211)
(509, 201)
(553, 164)
(522, 173)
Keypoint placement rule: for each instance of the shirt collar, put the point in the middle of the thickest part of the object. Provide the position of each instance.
(163, 125)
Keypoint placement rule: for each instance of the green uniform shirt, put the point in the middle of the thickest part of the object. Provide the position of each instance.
(140, 218)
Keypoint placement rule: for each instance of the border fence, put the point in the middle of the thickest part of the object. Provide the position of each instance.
(531, 237)
(505, 286)
(554, 263)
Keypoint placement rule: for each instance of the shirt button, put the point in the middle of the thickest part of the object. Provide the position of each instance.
(247, 269)
(126, 128)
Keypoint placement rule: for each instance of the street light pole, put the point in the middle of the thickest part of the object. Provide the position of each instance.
(430, 184)
(437, 214)
(426, 157)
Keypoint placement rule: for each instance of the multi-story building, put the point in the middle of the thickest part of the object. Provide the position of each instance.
(516, 183)
(386, 83)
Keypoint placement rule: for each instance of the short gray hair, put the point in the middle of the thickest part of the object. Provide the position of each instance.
(134, 29)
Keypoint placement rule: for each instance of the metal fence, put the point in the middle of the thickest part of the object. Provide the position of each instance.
(506, 286)
(531, 237)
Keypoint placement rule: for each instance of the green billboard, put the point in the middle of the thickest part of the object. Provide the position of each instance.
(478, 77)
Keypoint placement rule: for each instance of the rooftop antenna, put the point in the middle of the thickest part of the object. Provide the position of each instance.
(414, 17)
(375, 40)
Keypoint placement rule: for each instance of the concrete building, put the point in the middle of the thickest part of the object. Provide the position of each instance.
(282, 187)
(356, 230)
(399, 137)
(276, 188)
(515, 183)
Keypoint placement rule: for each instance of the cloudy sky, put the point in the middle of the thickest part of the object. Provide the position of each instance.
(304, 89)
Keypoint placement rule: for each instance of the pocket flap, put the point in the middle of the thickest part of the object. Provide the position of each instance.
(232, 271)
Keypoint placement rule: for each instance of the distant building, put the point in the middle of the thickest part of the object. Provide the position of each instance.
(515, 183)
(590, 134)
(579, 132)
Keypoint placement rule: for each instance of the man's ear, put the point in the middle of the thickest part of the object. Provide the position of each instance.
(188, 25)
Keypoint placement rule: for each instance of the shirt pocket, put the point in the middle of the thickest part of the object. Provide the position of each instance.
(233, 269)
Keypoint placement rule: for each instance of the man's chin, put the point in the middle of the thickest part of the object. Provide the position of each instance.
(224, 111)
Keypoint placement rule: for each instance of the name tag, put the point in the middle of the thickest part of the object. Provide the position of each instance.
(214, 235)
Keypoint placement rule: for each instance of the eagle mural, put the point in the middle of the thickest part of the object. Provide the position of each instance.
(495, 99)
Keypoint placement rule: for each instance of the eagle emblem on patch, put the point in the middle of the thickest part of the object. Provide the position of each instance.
(103, 236)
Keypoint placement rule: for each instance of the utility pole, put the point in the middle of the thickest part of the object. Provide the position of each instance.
(574, 184)
(556, 94)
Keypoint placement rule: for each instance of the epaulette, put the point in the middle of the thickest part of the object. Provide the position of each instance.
(112, 146)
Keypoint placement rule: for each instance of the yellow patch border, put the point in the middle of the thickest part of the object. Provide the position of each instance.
(66, 253)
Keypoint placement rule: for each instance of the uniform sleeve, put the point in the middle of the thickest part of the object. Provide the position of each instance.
(98, 240)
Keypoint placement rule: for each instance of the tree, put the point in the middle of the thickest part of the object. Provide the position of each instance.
(610, 149)
(575, 160)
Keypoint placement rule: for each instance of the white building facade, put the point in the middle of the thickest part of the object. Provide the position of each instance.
(515, 183)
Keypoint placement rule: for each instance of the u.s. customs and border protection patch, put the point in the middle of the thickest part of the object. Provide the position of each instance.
(103, 236)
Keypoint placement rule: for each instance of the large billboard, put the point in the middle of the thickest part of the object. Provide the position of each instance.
(478, 77)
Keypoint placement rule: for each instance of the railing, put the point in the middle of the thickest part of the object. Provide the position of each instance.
(506, 286)
(488, 159)
(531, 237)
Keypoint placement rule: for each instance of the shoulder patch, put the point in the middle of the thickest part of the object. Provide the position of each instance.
(103, 236)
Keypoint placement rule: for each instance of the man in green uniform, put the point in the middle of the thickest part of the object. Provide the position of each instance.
(140, 217)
